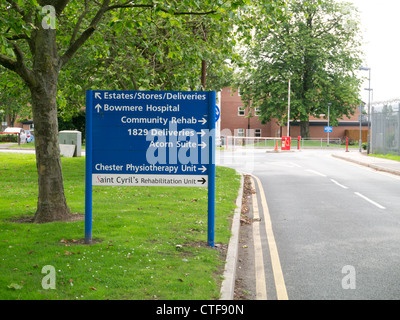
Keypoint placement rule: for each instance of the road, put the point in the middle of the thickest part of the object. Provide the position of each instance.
(321, 228)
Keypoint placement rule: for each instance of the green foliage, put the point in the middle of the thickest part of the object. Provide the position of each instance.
(8, 138)
(77, 121)
(155, 45)
(317, 47)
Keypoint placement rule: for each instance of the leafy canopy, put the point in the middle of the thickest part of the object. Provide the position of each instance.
(317, 47)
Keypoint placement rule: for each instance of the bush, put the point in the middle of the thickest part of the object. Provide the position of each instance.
(8, 138)
(364, 146)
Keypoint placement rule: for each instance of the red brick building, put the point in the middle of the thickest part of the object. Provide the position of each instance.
(235, 121)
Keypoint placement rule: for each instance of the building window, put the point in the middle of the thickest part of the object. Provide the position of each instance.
(241, 111)
(258, 111)
(257, 132)
(240, 132)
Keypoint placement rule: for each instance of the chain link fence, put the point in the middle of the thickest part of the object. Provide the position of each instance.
(385, 130)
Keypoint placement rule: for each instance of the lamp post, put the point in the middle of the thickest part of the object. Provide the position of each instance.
(369, 104)
(361, 118)
(288, 119)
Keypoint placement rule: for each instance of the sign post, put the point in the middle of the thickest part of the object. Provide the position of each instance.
(150, 138)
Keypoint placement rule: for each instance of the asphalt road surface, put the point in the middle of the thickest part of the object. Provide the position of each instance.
(321, 228)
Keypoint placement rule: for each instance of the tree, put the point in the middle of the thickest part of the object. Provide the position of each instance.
(38, 39)
(13, 97)
(317, 47)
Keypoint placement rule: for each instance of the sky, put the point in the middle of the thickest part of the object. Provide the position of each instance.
(381, 25)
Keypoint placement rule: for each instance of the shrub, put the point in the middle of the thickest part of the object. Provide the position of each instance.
(364, 146)
(8, 138)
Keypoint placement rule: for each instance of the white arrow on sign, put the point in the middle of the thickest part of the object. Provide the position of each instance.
(98, 108)
(203, 121)
(203, 169)
(97, 95)
(202, 133)
(203, 145)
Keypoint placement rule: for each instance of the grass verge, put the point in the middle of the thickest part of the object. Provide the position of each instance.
(387, 156)
(149, 242)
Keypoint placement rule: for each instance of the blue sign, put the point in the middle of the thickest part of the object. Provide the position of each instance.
(328, 129)
(150, 138)
(217, 113)
(150, 133)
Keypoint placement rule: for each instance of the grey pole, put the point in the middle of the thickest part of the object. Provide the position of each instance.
(369, 104)
(360, 140)
(329, 105)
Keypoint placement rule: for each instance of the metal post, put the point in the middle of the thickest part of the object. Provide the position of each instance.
(369, 112)
(211, 170)
(360, 140)
(288, 120)
(369, 105)
(88, 176)
(329, 105)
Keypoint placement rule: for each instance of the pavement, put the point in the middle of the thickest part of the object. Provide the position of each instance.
(361, 158)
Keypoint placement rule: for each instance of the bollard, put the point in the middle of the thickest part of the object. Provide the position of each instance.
(298, 142)
(347, 144)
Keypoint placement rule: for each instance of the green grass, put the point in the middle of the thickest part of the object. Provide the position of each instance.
(387, 156)
(149, 242)
(30, 145)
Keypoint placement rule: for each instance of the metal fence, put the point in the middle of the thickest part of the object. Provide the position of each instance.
(275, 142)
(385, 130)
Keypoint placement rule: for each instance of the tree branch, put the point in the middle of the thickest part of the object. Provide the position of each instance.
(21, 67)
(60, 6)
(18, 66)
(7, 62)
(128, 4)
(78, 23)
(105, 6)
(18, 37)
(84, 36)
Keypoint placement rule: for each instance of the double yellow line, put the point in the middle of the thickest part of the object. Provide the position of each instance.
(261, 289)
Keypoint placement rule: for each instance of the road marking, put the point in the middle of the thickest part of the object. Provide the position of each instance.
(317, 173)
(273, 250)
(340, 185)
(261, 287)
(370, 201)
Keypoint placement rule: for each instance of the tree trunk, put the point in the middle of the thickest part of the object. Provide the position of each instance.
(305, 129)
(203, 74)
(52, 205)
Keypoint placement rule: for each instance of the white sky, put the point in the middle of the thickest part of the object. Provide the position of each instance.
(381, 26)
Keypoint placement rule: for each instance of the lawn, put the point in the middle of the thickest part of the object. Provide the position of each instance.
(148, 242)
(387, 156)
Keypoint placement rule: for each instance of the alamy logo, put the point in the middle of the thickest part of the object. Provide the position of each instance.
(49, 280)
(349, 280)
(49, 21)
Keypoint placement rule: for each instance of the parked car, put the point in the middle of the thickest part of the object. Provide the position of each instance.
(19, 131)
(29, 136)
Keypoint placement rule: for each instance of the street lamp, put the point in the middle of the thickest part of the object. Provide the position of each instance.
(361, 108)
(369, 104)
